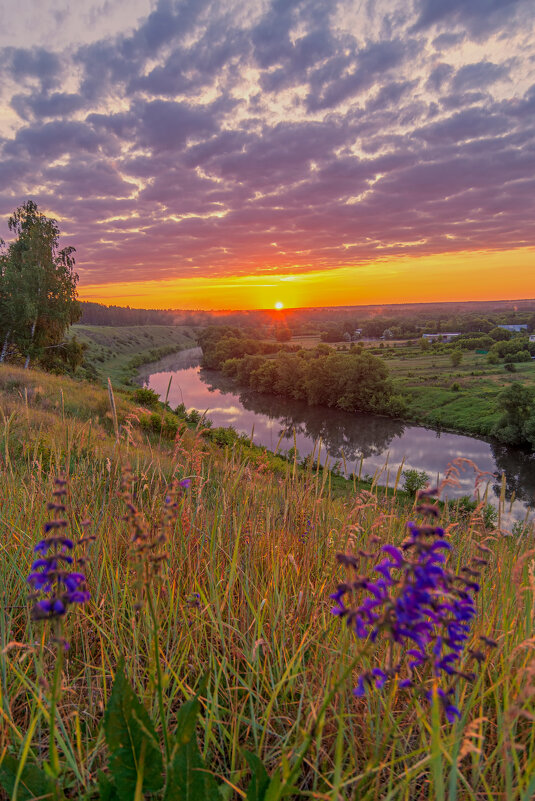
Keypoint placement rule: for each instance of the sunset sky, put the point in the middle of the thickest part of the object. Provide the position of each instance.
(240, 153)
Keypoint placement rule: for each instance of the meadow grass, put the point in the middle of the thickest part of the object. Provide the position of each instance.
(259, 549)
(462, 398)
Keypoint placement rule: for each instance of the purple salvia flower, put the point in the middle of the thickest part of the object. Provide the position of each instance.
(417, 601)
(394, 553)
(50, 575)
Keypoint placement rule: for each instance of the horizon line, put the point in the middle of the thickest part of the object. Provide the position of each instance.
(307, 308)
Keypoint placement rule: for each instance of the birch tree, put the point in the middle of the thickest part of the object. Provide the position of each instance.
(37, 285)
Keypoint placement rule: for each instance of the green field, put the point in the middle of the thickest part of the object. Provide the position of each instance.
(117, 351)
(462, 398)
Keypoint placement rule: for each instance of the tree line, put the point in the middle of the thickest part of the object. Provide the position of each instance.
(352, 381)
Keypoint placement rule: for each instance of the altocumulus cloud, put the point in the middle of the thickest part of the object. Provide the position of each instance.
(221, 137)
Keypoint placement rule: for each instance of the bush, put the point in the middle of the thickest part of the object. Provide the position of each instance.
(509, 366)
(522, 356)
(170, 425)
(224, 436)
(146, 397)
(414, 480)
(466, 506)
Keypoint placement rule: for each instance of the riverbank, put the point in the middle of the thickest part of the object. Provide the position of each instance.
(435, 385)
(116, 352)
(369, 446)
(461, 398)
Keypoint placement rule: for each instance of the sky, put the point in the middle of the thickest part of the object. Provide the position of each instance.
(239, 153)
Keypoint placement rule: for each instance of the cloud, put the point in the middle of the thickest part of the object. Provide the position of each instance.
(373, 61)
(479, 17)
(89, 178)
(43, 105)
(32, 63)
(478, 76)
(53, 139)
(222, 137)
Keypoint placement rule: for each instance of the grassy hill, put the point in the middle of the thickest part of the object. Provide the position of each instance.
(242, 599)
(116, 351)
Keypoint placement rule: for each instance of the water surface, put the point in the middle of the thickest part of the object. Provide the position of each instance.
(359, 442)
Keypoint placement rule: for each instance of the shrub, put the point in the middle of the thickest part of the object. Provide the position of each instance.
(224, 436)
(466, 506)
(456, 357)
(521, 356)
(414, 480)
(146, 397)
(170, 425)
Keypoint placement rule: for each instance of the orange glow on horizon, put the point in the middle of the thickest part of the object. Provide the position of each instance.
(481, 275)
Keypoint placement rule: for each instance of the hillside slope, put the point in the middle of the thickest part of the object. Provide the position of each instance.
(243, 599)
(116, 351)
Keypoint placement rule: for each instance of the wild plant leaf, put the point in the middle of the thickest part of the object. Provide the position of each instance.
(33, 782)
(188, 778)
(132, 742)
(186, 721)
(226, 792)
(258, 785)
(273, 790)
(106, 788)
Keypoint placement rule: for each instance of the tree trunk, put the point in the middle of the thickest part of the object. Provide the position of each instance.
(27, 362)
(4, 346)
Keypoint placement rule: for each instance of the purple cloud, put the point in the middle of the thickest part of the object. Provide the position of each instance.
(230, 136)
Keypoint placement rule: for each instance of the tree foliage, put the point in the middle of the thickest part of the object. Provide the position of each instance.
(37, 286)
(353, 381)
(517, 425)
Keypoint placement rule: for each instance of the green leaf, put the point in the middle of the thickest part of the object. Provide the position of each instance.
(135, 753)
(33, 782)
(186, 721)
(226, 792)
(106, 788)
(188, 779)
(259, 779)
(273, 790)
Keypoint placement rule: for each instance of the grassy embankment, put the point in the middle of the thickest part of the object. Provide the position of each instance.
(462, 398)
(117, 351)
(259, 548)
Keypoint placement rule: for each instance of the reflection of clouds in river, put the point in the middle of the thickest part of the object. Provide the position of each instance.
(382, 443)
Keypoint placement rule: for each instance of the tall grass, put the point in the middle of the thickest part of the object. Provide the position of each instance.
(259, 550)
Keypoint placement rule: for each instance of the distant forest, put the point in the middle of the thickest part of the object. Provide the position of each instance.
(403, 320)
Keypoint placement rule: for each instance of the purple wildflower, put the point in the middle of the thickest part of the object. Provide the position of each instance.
(305, 532)
(418, 602)
(51, 575)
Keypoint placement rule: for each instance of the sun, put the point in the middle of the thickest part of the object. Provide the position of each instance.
(279, 305)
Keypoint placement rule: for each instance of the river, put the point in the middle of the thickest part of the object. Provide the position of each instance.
(363, 443)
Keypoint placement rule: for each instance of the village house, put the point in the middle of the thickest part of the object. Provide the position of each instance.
(441, 337)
